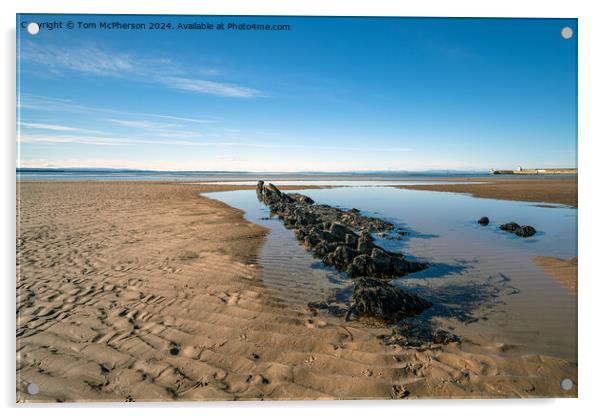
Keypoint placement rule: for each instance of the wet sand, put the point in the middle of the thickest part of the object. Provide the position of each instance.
(131, 291)
(513, 188)
(564, 270)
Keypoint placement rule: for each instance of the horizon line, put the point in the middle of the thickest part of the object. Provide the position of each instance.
(108, 169)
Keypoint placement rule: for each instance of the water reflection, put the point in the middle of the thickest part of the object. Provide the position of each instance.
(481, 280)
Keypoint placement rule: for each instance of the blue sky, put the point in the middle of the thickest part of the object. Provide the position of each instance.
(330, 94)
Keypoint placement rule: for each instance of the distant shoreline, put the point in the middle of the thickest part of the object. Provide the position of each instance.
(538, 171)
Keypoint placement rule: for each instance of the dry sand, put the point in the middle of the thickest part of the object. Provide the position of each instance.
(514, 188)
(146, 291)
(564, 270)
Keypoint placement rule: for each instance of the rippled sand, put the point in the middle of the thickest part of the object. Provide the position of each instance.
(146, 291)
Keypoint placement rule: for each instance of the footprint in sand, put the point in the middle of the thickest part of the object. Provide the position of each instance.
(233, 299)
(257, 379)
(229, 299)
(314, 323)
(309, 360)
(399, 392)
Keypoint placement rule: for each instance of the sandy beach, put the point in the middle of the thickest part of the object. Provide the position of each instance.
(564, 270)
(131, 291)
(549, 190)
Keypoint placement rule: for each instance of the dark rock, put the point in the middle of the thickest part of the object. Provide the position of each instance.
(339, 231)
(351, 239)
(364, 243)
(525, 231)
(304, 199)
(379, 299)
(483, 221)
(382, 264)
(442, 336)
(521, 231)
(340, 257)
(510, 227)
(322, 249)
(332, 234)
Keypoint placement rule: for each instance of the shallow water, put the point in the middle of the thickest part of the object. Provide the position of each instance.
(481, 279)
(240, 177)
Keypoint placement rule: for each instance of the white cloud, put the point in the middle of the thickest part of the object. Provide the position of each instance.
(60, 139)
(55, 127)
(87, 59)
(42, 126)
(209, 87)
(140, 124)
(189, 120)
(92, 60)
(126, 141)
(61, 105)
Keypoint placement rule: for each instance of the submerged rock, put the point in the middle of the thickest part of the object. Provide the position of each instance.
(379, 299)
(483, 221)
(408, 335)
(340, 238)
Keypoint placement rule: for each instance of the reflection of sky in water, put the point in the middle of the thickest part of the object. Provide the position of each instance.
(541, 313)
(451, 218)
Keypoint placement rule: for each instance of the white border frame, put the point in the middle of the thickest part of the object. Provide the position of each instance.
(590, 68)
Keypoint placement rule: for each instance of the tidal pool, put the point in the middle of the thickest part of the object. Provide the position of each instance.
(482, 280)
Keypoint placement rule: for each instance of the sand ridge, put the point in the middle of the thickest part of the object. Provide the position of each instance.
(131, 291)
(515, 188)
(564, 270)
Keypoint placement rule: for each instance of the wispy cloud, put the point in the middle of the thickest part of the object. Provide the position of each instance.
(130, 141)
(190, 120)
(55, 127)
(56, 104)
(42, 126)
(163, 130)
(62, 139)
(110, 121)
(140, 124)
(93, 60)
(209, 87)
(127, 141)
(88, 59)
